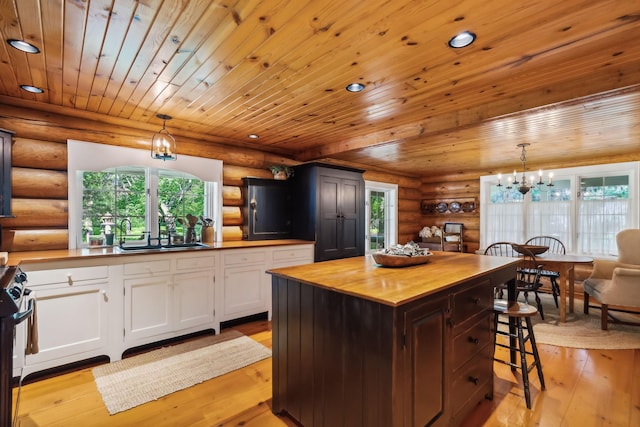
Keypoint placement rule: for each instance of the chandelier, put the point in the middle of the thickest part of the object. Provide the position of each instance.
(163, 146)
(524, 185)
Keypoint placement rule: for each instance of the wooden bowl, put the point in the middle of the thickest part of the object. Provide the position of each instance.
(387, 260)
(534, 249)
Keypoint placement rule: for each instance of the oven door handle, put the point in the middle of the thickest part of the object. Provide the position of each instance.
(20, 317)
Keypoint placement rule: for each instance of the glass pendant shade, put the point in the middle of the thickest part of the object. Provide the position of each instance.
(163, 145)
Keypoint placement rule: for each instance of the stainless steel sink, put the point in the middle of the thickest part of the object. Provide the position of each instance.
(161, 247)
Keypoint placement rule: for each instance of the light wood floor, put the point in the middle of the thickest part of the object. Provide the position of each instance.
(584, 388)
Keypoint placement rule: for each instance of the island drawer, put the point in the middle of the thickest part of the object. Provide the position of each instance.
(469, 342)
(471, 301)
(473, 376)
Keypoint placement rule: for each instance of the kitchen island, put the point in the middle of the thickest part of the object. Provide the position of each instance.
(357, 344)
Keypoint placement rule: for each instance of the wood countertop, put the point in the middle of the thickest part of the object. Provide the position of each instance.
(362, 277)
(17, 258)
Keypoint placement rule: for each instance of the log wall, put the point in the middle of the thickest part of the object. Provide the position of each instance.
(447, 188)
(39, 180)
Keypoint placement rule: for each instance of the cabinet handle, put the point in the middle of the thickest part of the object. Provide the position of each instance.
(476, 301)
(473, 340)
(69, 279)
(105, 296)
(474, 380)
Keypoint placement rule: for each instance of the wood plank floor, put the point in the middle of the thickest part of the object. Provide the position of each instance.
(584, 388)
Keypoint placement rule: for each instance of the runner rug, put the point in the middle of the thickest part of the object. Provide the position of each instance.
(136, 380)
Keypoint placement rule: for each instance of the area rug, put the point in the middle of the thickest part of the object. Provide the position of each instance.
(580, 330)
(133, 381)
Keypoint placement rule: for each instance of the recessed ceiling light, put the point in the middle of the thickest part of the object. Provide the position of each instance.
(23, 46)
(253, 136)
(355, 87)
(463, 39)
(32, 89)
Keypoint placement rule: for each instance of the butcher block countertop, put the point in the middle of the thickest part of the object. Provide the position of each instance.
(17, 258)
(394, 286)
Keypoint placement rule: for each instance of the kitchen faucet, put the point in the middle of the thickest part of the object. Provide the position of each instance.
(124, 222)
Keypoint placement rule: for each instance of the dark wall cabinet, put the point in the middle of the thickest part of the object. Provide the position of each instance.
(267, 209)
(329, 208)
(5, 173)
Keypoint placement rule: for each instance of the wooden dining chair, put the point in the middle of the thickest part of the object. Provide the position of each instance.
(501, 249)
(528, 276)
(555, 247)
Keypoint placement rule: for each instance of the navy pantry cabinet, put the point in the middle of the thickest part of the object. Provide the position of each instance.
(328, 206)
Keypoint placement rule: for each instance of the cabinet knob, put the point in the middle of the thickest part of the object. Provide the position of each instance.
(104, 295)
(476, 300)
(474, 380)
(473, 340)
(69, 279)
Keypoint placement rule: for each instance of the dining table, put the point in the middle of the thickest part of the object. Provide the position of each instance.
(565, 265)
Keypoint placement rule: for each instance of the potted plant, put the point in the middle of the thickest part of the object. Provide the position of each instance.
(281, 171)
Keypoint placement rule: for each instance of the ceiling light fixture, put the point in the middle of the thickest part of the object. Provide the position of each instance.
(253, 136)
(524, 185)
(32, 89)
(355, 87)
(163, 146)
(463, 39)
(23, 46)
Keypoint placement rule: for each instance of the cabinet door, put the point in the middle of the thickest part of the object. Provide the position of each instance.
(341, 227)
(244, 291)
(425, 358)
(328, 239)
(147, 307)
(193, 299)
(351, 233)
(71, 320)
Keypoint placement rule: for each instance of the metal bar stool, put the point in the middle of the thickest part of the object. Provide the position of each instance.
(518, 314)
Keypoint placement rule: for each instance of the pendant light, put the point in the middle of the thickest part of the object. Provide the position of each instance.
(163, 145)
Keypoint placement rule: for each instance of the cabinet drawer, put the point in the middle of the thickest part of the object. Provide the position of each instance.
(475, 375)
(195, 263)
(147, 267)
(469, 342)
(67, 275)
(295, 253)
(472, 301)
(243, 257)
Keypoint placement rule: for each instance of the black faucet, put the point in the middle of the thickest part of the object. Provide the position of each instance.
(124, 222)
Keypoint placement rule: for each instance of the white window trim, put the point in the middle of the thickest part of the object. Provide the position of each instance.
(89, 156)
(392, 207)
(573, 174)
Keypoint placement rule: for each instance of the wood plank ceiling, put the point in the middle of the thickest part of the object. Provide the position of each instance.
(561, 75)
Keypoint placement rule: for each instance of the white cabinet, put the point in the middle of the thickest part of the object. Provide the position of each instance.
(73, 313)
(244, 284)
(166, 296)
(104, 306)
(289, 256)
(194, 292)
(246, 287)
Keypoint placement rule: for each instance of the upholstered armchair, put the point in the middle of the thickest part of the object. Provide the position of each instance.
(616, 283)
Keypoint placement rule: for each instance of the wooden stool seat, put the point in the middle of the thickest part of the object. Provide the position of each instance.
(519, 320)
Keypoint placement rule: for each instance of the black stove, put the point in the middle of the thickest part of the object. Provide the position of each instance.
(12, 290)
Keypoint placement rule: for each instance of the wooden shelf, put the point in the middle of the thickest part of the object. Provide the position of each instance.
(449, 206)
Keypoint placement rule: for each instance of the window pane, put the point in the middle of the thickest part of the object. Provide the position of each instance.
(97, 202)
(114, 202)
(179, 195)
(559, 192)
(377, 220)
(606, 187)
